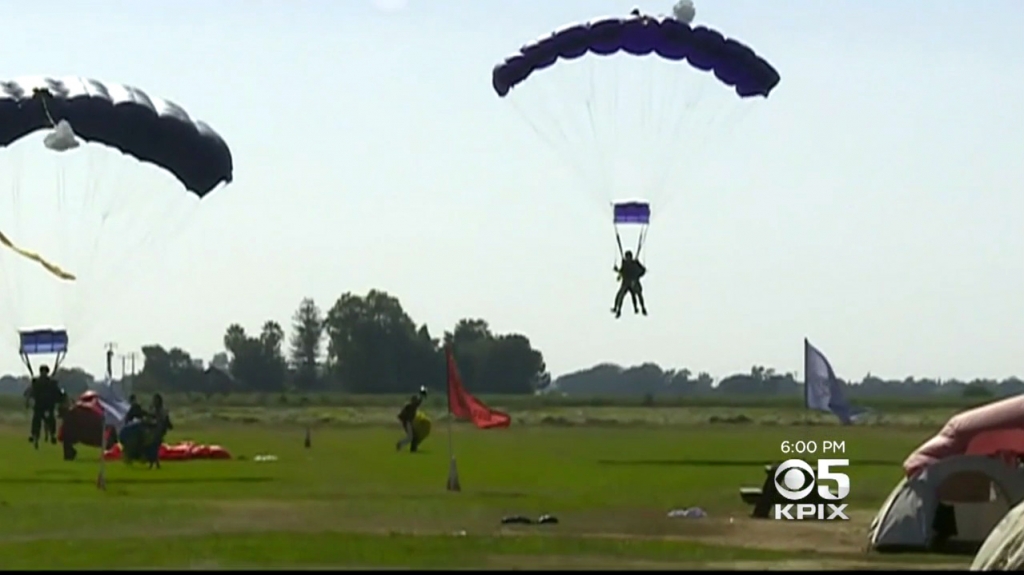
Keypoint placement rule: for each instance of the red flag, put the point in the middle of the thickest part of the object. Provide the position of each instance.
(464, 406)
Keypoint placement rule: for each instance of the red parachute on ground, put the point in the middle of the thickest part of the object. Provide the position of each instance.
(83, 423)
(184, 451)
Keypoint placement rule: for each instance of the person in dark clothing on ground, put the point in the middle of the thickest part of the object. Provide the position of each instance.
(44, 393)
(630, 272)
(406, 417)
(59, 406)
(135, 410)
(159, 421)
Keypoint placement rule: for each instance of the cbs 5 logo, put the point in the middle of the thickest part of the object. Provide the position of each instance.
(795, 479)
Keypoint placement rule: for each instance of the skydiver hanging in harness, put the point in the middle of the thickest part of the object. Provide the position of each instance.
(629, 268)
(630, 271)
(44, 393)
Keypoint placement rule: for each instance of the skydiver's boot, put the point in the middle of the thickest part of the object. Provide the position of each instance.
(37, 424)
(51, 427)
(619, 296)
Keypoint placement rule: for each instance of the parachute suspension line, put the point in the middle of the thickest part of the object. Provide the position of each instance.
(43, 95)
(594, 131)
(547, 139)
(675, 127)
(561, 152)
(12, 298)
(618, 241)
(650, 117)
(574, 126)
(120, 262)
(674, 109)
(117, 262)
(613, 111)
(717, 115)
(86, 309)
(604, 151)
(79, 311)
(61, 235)
(641, 238)
(555, 105)
(95, 176)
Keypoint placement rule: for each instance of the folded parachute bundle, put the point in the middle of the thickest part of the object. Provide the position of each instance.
(420, 427)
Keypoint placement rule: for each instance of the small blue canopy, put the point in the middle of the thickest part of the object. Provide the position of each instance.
(43, 340)
(632, 212)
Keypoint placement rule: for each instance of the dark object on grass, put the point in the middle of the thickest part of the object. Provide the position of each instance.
(548, 520)
(763, 500)
(70, 453)
(82, 423)
(516, 520)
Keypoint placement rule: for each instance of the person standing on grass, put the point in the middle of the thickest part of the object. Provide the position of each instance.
(406, 417)
(161, 424)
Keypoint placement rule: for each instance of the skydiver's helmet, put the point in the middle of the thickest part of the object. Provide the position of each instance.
(44, 370)
(628, 255)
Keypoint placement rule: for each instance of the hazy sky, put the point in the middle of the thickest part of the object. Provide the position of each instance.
(872, 203)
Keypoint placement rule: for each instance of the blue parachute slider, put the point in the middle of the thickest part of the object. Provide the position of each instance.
(632, 212)
(38, 341)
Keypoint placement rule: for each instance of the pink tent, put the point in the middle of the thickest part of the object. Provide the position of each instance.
(993, 429)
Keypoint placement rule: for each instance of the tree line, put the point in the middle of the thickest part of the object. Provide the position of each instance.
(361, 344)
(369, 345)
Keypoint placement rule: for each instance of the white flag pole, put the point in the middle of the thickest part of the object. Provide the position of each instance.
(453, 469)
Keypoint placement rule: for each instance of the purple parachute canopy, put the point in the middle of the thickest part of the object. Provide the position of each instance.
(41, 341)
(632, 213)
(733, 63)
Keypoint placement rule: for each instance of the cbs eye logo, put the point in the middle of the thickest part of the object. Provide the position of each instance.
(794, 479)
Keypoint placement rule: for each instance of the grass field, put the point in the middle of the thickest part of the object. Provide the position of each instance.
(609, 474)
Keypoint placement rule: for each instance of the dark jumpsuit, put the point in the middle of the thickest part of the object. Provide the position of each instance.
(630, 271)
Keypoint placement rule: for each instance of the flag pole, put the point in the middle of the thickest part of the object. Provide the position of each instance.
(448, 400)
(453, 470)
(807, 391)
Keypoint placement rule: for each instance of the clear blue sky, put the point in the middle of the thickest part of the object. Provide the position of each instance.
(872, 204)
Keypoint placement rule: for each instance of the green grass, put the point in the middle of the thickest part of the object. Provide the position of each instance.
(289, 550)
(352, 501)
(946, 403)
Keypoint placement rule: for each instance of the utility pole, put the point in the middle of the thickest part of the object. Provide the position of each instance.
(110, 346)
(124, 364)
(131, 362)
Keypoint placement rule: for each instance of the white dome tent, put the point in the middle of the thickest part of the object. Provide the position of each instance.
(1004, 548)
(957, 500)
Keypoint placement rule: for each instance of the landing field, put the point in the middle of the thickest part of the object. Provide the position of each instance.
(609, 474)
